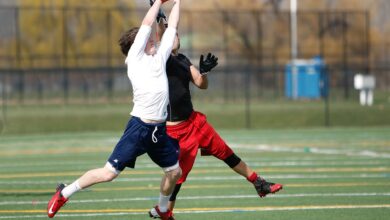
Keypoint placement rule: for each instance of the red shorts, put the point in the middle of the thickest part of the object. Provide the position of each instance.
(195, 133)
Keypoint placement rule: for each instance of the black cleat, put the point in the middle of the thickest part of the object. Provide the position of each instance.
(263, 187)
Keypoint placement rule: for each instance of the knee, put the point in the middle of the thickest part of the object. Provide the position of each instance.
(174, 174)
(108, 173)
(108, 176)
(178, 173)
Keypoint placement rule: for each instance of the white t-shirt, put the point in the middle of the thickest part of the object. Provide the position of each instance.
(148, 75)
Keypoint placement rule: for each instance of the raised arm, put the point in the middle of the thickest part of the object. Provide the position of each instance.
(162, 23)
(142, 37)
(170, 33)
(161, 26)
(174, 17)
(150, 17)
(199, 77)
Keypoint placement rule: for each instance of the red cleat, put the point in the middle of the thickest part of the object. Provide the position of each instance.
(263, 187)
(56, 202)
(156, 213)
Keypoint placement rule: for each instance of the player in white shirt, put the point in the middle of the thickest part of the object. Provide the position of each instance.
(145, 131)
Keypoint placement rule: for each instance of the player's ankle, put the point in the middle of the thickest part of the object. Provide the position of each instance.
(253, 177)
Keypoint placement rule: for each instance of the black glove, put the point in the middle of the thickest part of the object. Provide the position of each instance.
(208, 64)
(160, 14)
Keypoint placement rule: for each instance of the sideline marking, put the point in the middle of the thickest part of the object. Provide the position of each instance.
(208, 164)
(314, 150)
(259, 147)
(215, 178)
(202, 197)
(8, 153)
(218, 186)
(99, 212)
(205, 171)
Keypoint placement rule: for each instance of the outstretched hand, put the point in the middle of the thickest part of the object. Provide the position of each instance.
(152, 1)
(206, 65)
(161, 14)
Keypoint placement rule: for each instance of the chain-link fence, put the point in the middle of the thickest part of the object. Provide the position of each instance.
(71, 54)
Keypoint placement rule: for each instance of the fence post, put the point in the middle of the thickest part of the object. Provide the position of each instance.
(85, 89)
(65, 79)
(368, 45)
(40, 89)
(225, 20)
(20, 82)
(247, 73)
(259, 57)
(110, 80)
(325, 96)
(3, 103)
(345, 55)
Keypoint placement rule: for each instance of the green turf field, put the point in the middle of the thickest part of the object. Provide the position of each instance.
(337, 173)
(43, 119)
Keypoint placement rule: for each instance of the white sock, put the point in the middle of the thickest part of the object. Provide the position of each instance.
(163, 203)
(72, 188)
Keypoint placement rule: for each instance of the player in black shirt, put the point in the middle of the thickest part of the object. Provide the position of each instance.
(191, 128)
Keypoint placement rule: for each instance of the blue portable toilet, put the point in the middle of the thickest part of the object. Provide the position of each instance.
(311, 79)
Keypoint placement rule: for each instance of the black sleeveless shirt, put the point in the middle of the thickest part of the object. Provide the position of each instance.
(179, 78)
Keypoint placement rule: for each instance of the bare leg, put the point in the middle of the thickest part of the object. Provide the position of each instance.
(172, 200)
(90, 178)
(171, 205)
(95, 176)
(243, 169)
(168, 181)
(63, 193)
(261, 185)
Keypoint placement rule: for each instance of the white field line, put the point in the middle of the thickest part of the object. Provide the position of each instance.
(328, 151)
(145, 161)
(212, 210)
(210, 178)
(216, 163)
(4, 203)
(261, 147)
(73, 215)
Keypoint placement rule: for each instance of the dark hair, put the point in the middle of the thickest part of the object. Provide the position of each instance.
(127, 39)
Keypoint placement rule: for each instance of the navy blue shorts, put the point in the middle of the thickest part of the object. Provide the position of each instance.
(139, 138)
